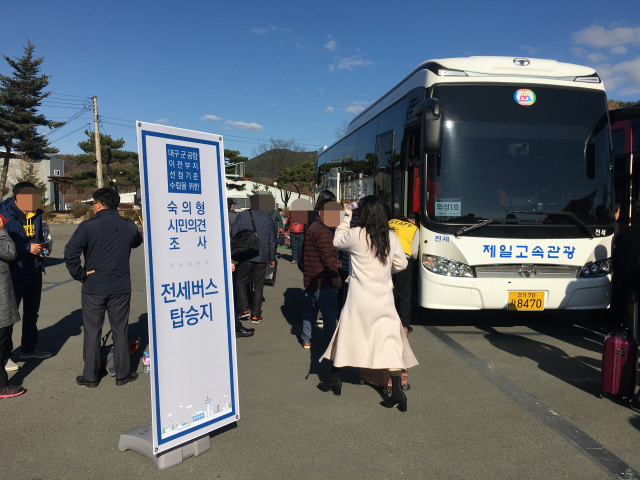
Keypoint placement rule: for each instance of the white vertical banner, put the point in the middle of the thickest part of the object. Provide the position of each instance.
(194, 380)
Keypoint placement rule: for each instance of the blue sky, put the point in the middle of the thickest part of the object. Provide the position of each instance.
(251, 70)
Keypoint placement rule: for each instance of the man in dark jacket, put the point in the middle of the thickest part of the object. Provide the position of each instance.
(255, 268)
(24, 225)
(106, 242)
(321, 278)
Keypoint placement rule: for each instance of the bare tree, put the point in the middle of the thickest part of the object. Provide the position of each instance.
(278, 152)
(341, 131)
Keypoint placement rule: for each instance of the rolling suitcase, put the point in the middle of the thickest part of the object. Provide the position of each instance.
(270, 274)
(620, 361)
(382, 378)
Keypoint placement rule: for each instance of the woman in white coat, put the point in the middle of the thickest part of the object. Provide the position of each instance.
(370, 333)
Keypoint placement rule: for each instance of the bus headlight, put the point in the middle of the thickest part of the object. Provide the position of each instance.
(445, 266)
(600, 268)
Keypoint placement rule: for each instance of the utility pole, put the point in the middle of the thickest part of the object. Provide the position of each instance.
(98, 152)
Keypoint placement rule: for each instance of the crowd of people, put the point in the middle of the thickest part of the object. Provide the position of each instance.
(356, 265)
(356, 273)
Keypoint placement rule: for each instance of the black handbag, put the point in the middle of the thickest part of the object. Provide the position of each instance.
(246, 243)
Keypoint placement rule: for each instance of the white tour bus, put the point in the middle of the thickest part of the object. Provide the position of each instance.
(508, 163)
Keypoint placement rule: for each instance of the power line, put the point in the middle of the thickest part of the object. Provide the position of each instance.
(58, 106)
(67, 95)
(71, 133)
(121, 119)
(69, 120)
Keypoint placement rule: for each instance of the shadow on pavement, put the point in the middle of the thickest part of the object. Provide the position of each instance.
(139, 330)
(51, 339)
(576, 328)
(292, 308)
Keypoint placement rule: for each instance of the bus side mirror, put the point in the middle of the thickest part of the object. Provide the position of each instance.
(590, 159)
(431, 126)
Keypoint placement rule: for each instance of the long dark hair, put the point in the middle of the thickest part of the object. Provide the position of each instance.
(322, 197)
(372, 217)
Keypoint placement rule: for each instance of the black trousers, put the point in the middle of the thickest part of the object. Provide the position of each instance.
(93, 309)
(29, 291)
(402, 283)
(246, 271)
(4, 332)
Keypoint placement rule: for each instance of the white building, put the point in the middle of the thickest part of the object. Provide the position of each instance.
(50, 167)
(241, 197)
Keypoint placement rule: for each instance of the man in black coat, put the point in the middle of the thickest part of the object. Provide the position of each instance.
(106, 242)
(255, 268)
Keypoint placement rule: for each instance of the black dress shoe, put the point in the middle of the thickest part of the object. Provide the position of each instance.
(131, 378)
(80, 380)
(245, 332)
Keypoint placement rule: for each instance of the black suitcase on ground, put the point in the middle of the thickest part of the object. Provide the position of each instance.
(270, 274)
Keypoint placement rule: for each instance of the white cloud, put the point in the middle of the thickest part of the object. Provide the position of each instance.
(270, 28)
(623, 78)
(273, 104)
(331, 67)
(162, 121)
(245, 126)
(529, 50)
(619, 50)
(597, 57)
(355, 61)
(211, 118)
(319, 90)
(600, 37)
(329, 109)
(331, 46)
(356, 107)
(597, 36)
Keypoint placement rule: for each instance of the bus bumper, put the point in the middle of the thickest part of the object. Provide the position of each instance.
(456, 293)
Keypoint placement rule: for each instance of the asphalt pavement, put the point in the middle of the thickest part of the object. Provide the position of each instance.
(497, 394)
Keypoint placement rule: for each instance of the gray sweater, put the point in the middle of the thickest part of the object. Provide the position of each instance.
(8, 308)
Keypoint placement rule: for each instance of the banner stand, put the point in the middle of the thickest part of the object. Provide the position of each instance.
(140, 439)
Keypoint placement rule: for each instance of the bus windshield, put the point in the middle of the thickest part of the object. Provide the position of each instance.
(520, 148)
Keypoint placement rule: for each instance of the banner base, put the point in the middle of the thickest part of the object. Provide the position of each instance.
(140, 439)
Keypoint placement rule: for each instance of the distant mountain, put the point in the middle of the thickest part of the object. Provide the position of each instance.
(264, 165)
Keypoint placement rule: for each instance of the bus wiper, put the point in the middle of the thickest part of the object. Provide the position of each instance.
(570, 216)
(480, 224)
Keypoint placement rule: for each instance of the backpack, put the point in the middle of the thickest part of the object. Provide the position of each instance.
(106, 354)
(246, 243)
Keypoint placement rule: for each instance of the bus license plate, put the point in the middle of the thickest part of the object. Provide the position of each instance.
(526, 301)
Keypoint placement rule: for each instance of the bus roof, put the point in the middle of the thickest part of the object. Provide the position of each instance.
(469, 67)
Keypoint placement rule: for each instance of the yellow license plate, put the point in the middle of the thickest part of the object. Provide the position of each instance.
(526, 301)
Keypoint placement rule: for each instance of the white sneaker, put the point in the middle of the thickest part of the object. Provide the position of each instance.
(11, 366)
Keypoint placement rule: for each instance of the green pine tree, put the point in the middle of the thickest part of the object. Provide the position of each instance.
(120, 167)
(20, 96)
